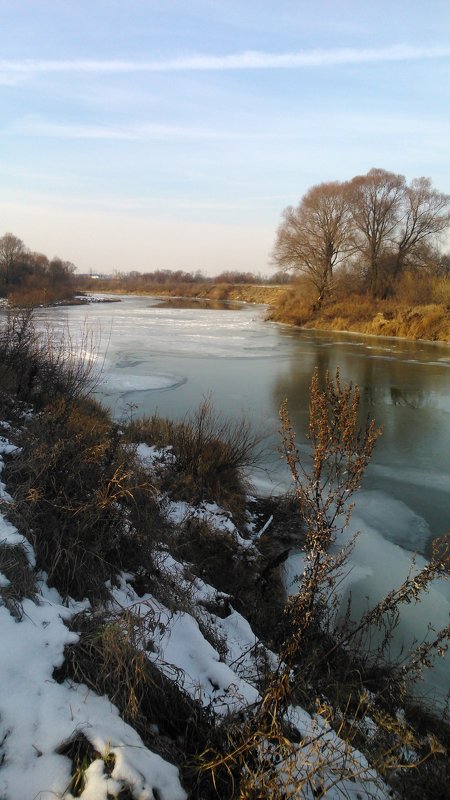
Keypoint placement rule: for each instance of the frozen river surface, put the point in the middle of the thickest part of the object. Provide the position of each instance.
(160, 357)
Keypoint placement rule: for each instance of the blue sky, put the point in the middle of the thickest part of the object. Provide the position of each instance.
(147, 134)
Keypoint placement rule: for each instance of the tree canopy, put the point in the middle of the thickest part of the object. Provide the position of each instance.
(22, 270)
(376, 221)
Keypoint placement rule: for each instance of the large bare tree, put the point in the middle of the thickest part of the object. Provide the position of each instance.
(426, 214)
(375, 201)
(315, 237)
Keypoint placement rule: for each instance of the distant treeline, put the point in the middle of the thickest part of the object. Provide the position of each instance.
(30, 278)
(138, 281)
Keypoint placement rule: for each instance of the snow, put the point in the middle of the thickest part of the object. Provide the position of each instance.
(150, 456)
(217, 660)
(38, 715)
(179, 511)
(180, 648)
(5, 449)
(327, 757)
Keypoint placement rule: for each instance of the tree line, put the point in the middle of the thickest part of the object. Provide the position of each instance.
(169, 277)
(31, 274)
(375, 225)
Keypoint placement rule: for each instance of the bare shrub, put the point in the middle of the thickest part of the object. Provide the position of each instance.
(340, 454)
(40, 367)
(209, 455)
(72, 483)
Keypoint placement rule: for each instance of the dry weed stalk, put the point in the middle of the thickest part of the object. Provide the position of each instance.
(261, 755)
(341, 451)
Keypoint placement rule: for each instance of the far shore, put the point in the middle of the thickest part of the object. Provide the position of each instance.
(358, 314)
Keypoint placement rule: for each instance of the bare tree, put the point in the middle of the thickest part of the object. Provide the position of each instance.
(426, 213)
(315, 236)
(376, 206)
(11, 249)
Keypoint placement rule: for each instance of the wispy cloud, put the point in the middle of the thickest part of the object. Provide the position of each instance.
(312, 126)
(35, 126)
(252, 60)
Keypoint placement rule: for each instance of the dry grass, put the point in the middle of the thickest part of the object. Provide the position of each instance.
(217, 558)
(222, 292)
(43, 295)
(260, 756)
(74, 489)
(209, 455)
(375, 317)
(110, 658)
(14, 565)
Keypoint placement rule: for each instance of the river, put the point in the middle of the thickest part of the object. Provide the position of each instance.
(166, 357)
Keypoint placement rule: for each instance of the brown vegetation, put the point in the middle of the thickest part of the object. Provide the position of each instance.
(419, 310)
(207, 455)
(322, 663)
(31, 279)
(375, 224)
(367, 252)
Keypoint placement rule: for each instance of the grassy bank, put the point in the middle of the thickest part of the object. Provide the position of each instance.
(248, 293)
(361, 314)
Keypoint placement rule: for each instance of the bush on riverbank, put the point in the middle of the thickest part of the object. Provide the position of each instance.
(95, 515)
(422, 315)
(205, 455)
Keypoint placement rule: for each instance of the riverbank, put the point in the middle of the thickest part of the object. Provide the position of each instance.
(170, 680)
(428, 321)
(355, 314)
(245, 293)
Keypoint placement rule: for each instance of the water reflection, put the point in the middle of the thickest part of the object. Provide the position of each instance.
(409, 399)
(200, 303)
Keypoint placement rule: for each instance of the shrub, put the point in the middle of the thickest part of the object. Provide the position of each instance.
(74, 486)
(39, 367)
(209, 452)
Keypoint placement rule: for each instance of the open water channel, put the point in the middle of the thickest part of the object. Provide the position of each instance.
(167, 356)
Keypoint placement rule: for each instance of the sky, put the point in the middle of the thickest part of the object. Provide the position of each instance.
(171, 134)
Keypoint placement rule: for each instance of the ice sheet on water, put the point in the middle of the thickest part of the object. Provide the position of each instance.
(393, 518)
(379, 562)
(127, 382)
(411, 475)
(387, 565)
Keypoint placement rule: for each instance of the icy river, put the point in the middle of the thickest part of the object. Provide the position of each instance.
(166, 357)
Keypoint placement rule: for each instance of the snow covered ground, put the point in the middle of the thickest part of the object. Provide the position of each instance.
(40, 716)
